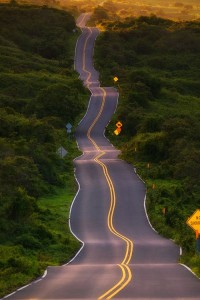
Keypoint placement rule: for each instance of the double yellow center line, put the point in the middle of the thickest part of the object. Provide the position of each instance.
(126, 272)
(84, 57)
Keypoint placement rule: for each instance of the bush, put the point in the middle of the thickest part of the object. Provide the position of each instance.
(28, 241)
(21, 206)
(60, 101)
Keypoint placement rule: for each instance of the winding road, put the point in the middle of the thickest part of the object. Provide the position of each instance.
(122, 257)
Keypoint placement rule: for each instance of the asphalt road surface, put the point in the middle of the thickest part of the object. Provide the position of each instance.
(122, 257)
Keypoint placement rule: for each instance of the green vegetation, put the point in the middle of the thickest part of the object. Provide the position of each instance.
(39, 95)
(157, 63)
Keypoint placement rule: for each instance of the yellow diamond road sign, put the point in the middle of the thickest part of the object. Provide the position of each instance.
(119, 124)
(194, 221)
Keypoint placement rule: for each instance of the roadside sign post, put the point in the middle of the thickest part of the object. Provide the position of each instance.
(118, 129)
(62, 152)
(116, 82)
(194, 222)
(69, 128)
(198, 245)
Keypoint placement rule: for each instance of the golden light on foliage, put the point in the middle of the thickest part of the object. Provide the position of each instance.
(172, 9)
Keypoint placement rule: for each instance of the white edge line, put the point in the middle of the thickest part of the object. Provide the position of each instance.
(145, 209)
(9, 295)
(189, 270)
(23, 287)
(181, 251)
(145, 199)
(38, 280)
(45, 273)
(70, 222)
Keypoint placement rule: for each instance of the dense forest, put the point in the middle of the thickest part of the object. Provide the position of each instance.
(158, 66)
(39, 95)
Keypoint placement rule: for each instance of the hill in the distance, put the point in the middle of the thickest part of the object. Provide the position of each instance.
(39, 95)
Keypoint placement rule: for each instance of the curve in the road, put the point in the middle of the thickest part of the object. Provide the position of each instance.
(126, 271)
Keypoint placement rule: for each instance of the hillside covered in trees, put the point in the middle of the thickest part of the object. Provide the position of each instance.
(39, 95)
(157, 62)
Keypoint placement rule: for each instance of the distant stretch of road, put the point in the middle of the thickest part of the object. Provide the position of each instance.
(122, 257)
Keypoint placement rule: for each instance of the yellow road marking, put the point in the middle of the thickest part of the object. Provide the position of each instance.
(79, 24)
(96, 119)
(117, 288)
(84, 57)
(126, 272)
(129, 243)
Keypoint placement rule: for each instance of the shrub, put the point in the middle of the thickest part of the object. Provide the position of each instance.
(28, 241)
